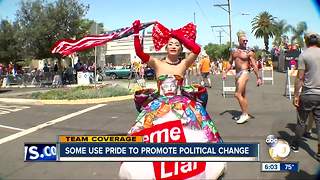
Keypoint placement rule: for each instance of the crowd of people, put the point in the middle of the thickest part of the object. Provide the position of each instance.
(14, 73)
(10, 69)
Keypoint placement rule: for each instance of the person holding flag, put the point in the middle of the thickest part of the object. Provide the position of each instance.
(172, 106)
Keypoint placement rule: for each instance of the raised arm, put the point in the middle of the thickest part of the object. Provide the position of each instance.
(145, 58)
(191, 45)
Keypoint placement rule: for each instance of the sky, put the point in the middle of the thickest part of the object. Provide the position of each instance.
(174, 14)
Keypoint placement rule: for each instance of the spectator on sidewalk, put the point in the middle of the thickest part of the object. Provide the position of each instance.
(204, 67)
(1, 69)
(309, 99)
(78, 66)
(46, 71)
(55, 68)
(68, 77)
(10, 68)
(293, 64)
(45, 68)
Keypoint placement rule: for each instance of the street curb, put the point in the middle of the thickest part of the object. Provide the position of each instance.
(70, 102)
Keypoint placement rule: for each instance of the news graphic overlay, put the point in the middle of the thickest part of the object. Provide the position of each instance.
(40, 152)
(133, 148)
(152, 144)
(157, 152)
(279, 166)
(279, 149)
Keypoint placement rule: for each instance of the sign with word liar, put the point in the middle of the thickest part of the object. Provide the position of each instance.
(170, 132)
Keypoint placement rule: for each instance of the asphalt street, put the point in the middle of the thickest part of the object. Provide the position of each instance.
(272, 114)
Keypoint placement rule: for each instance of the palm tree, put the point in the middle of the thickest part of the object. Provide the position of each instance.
(281, 28)
(263, 27)
(298, 32)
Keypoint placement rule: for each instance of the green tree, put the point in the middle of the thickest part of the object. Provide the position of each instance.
(281, 28)
(216, 51)
(9, 48)
(263, 27)
(298, 32)
(259, 53)
(42, 24)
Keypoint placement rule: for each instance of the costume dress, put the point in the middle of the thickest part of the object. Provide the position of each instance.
(177, 105)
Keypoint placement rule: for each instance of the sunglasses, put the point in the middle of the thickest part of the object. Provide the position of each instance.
(245, 41)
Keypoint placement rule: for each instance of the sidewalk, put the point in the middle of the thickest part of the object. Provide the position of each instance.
(17, 91)
(16, 94)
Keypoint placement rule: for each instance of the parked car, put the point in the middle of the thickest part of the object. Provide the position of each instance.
(123, 72)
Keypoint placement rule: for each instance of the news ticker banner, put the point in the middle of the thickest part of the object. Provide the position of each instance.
(141, 152)
(132, 148)
(157, 152)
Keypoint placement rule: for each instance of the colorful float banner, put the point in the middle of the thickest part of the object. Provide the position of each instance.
(158, 152)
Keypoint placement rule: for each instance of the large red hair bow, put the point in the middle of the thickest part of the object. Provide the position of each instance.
(161, 34)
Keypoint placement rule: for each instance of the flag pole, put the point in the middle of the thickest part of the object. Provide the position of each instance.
(95, 60)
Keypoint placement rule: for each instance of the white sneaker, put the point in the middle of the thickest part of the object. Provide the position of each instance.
(243, 118)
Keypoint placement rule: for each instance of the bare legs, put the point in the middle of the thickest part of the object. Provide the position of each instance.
(240, 94)
(205, 79)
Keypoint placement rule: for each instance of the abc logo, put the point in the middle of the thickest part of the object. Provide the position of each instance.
(271, 140)
(280, 151)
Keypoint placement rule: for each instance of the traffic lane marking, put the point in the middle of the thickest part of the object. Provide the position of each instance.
(10, 127)
(36, 115)
(49, 123)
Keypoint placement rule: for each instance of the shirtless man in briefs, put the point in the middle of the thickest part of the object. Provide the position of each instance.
(243, 58)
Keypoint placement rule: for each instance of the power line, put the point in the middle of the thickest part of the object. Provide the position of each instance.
(207, 21)
(202, 12)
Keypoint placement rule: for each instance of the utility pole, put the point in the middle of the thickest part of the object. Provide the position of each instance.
(220, 26)
(228, 10)
(194, 17)
(229, 14)
(220, 36)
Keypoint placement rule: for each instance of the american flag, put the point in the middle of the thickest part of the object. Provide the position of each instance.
(66, 47)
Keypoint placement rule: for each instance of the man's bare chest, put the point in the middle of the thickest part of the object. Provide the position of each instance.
(241, 55)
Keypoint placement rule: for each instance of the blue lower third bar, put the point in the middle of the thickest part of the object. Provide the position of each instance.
(158, 152)
(289, 166)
